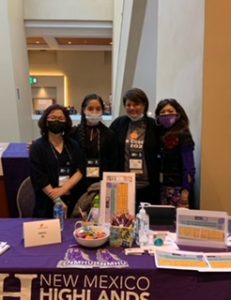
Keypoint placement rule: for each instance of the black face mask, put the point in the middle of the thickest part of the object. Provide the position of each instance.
(56, 126)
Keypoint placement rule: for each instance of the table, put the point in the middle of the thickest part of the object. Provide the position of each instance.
(15, 165)
(32, 274)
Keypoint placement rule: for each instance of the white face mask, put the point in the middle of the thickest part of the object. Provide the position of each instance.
(134, 119)
(93, 119)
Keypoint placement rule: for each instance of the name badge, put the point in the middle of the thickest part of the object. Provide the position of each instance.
(92, 172)
(135, 164)
(92, 169)
(64, 175)
(63, 179)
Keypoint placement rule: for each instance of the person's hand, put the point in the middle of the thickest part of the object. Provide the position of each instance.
(184, 198)
(55, 193)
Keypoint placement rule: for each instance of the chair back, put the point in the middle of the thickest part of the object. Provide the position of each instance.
(25, 199)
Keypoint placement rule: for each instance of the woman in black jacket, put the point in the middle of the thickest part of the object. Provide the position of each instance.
(96, 140)
(177, 168)
(138, 146)
(56, 163)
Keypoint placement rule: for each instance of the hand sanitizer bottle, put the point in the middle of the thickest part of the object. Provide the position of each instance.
(144, 224)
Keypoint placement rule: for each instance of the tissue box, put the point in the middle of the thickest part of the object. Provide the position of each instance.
(121, 236)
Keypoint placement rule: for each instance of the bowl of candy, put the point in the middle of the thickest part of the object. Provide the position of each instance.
(91, 236)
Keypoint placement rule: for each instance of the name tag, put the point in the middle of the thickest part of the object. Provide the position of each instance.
(63, 179)
(92, 172)
(92, 169)
(135, 164)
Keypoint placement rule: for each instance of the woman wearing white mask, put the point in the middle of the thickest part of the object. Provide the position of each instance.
(177, 169)
(137, 137)
(97, 141)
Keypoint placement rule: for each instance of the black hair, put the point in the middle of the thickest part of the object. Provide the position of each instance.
(83, 121)
(137, 96)
(42, 123)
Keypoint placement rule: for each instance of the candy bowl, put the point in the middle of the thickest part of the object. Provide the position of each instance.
(91, 236)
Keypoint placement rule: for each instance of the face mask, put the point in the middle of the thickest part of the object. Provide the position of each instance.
(93, 119)
(167, 121)
(56, 126)
(136, 118)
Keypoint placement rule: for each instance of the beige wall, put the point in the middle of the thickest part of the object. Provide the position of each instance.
(86, 71)
(15, 98)
(216, 129)
(68, 9)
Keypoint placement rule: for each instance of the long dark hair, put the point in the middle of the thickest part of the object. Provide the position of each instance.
(137, 96)
(42, 123)
(83, 122)
(181, 125)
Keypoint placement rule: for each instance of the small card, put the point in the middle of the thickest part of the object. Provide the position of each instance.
(134, 251)
(37, 233)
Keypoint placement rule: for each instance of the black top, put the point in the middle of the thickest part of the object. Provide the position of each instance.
(150, 147)
(99, 143)
(45, 164)
(176, 159)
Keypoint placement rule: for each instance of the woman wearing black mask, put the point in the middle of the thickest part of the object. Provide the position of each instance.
(137, 137)
(56, 162)
(97, 141)
(177, 168)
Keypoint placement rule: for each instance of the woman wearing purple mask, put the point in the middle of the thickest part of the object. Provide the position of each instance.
(177, 169)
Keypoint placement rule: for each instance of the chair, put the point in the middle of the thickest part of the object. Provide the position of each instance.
(25, 199)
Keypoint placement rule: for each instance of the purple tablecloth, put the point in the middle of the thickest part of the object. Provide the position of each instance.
(33, 272)
(15, 164)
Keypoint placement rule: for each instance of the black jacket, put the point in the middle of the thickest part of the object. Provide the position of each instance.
(150, 148)
(44, 170)
(108, 148)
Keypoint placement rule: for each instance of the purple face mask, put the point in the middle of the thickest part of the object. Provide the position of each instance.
(167, 121)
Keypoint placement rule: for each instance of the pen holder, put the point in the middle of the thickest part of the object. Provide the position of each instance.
(121, 236)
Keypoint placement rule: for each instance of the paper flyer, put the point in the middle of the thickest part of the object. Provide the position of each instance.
(181, 260)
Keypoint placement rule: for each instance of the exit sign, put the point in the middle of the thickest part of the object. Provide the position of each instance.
(33, 80)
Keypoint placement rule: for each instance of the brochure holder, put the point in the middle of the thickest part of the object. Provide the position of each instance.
(202, 228)
(117, 195)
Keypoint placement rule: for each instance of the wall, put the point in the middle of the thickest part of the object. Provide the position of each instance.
(216, 133)
(86, 72)
(14, 85)
(51, 87)
(180, 51)
(68, 10)
(147, 55)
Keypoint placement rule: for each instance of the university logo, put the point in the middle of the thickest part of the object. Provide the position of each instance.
(25, 286)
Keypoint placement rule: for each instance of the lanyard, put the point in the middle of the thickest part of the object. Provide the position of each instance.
(98, 139)
(55, 154)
